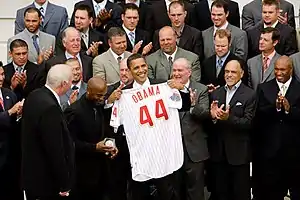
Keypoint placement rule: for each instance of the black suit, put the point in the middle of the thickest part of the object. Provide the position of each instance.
(203, 15)
(140, 34)
(287, 43)
(47, 147)
(229, 145)
(114, 21)
(161, 18)
(190, 40)
(276, 142)
(31, 72)
(208, 71)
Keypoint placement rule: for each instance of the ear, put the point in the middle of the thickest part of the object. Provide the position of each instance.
(275, 43)
(227, 14)
(122, 16)
(109, 42)
(91, 20)
(185, 13)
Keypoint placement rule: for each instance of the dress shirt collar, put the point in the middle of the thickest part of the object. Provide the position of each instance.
(68, 56)
(32, 34)
(235, 87)
(286, 84)
(222, 58)
(187, 85)
(1, 95)
(127, 31)
(173, 54)
(270, 56)
(77, 84)
(44, 6)
(137, 2)
(273, 25)
(16, 66)
(86, 32)
(116, 56)
(54, 93)
(222, 27)
(137, 85)
(101, 4)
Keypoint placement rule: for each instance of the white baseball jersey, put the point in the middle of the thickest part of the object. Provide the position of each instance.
(152, 127)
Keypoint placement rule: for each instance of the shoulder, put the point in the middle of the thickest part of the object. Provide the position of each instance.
(199, 86)
(47, 35)
(207, 31)
(7, 93)
(188, 54)
(295, 57)
(153, 56)
(236, 31)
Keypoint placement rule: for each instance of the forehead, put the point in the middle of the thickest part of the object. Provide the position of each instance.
(81, 13)
(138, 62)
(72, 34)
(118, 37)
(283, 64)
(167, 33)
(268, 7)
(75, 65)
(215, 9)
(176, 8)
(1, 70)
(131, 12)
(19, 49)
(179, 66)
(266, 35)
(223, 40)
(232, 66)
(31, 15)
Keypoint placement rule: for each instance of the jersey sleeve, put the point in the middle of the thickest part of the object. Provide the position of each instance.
(115, 118)
(174, 98)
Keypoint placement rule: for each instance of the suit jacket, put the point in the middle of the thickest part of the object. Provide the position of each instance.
(46, 41)
(287, 43)
(252, 13)
(208, 70)
(31, 72)
(230, 139)
(275, 130)
(194, 137)
(107, 67)
(296, 65)
(190, 40)
(114, 21)
(61, 59)
(47, 147)
(56, 19)
(256, 75)
(158, 64)
(239, 42)
(140, 34)
(203, 14)
(88, 125)
(161, 18)
(7, 124)
(65, 98)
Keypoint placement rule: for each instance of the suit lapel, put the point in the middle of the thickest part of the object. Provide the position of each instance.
(113, 62)
(259, 69)
(49, 12)
(237, 94)
(165, 62)
(211, 40)
(184, 36)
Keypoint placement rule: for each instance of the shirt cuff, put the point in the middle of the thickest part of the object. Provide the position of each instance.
(278, 110)
(106, 106)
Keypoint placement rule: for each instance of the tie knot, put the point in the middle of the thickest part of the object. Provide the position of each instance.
(119, 59)
(34, 37)
(220, 62)
(19, 70)
(170, 59)
(131, 34)
(83, 35)
(266, 58)
(75, 87)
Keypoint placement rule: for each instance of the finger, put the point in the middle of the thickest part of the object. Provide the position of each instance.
(222, 106)
(121, 86)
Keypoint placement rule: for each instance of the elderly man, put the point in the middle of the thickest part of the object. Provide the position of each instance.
(160, 62)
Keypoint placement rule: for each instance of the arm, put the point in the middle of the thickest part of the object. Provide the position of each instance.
(196, 70)
(247, 18)
(5, 120)
(98, 68)
(291, 17)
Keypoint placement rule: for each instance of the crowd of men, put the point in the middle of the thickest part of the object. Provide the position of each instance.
(223, 96)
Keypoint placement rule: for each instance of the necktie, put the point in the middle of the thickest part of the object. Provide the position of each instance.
(35, 44)
(1, 104)
(265, 63)
(19, 70)
(170, 65)
(119, 59)
(75, 87)
(131, 38)
(43, 14)
(219, 67)
(283, 90)
(97, 9)
(85, 39)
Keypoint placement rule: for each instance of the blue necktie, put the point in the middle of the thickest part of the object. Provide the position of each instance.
(43, 15)
(219, 67)
(35, 44)
(131, 37)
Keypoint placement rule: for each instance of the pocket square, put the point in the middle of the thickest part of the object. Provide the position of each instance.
(238, 104)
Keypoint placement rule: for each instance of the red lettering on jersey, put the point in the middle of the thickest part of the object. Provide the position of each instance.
(157, 90)
(139, 95)
(135, 99)
(115, 112)
(150, 91)
(160, 109)
(145, 94)
(144, 111)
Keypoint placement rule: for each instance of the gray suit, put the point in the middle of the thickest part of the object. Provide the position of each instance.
(195, 143)
(255, 66)
(45, 42)
(56, 19)
(65, 98)
(296, 65)
(107, 67)
(239, 42)
(252, 13)
(158, 65)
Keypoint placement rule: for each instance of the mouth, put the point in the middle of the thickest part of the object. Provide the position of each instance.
(142, 75)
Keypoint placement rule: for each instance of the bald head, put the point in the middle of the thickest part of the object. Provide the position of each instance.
(233, 73)
(283, 69)
(167, 40)
(96, 90)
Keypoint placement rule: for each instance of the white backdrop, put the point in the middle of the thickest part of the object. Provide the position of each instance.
(8, 10)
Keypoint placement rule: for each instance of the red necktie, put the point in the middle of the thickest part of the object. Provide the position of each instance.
(265, 63)
(1, 104)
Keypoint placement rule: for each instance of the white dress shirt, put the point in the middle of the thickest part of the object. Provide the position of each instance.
(116, 56)
(285, 85)
(231, 92)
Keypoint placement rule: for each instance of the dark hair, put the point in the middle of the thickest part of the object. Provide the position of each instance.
(1, 63)
(180, 3)
(220, 4)
(86, 8)
(115, 31)
(271, 3)
(32, 10)
(17, 43)
(275, 33)
(129, 6)
(133, 57)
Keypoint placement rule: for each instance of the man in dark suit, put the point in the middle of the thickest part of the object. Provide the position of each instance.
(20, 74)
(194, 137)
(9, 175)
(92, 41)
(188, 38)
(276, 135)
(287, 43)
(88, 125)
(213, 68)
(232, 111)
(202, 10)
(72, 43)
(105, 14)
(47, 147)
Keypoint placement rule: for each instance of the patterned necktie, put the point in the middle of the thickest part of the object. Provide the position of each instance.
(1, 104)
(219, 67)
(131, 37)
(85, 39)
(170, 65)
(35, 44)
(265, 63)
(97, 9)
(19, 70)
(43, 15)
(119, 59)
(283, 90)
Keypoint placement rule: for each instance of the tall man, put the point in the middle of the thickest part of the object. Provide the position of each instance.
(40, 44)
(232, 111)
(261, 67)
(276, 138)
(194, 137)
(160, 62)
(47, 147)
(54, 17)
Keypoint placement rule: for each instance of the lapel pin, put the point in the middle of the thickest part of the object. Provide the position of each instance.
(7, 97)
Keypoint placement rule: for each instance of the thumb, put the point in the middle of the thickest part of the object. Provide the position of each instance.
(121, 86)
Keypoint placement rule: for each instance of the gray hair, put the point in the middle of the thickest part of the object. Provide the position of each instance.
(184, 62)
(58, 74)
(64, 33)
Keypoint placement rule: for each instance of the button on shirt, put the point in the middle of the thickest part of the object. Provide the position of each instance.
(231, 92)
(283, 87)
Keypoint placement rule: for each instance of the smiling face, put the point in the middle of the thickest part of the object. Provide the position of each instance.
(270, 14)
(2, 76)
(139, 70)
(181, 72)
(233, 73)
(177, 15)
(72, 42)
(283, 69)
(32, 21)
(82, 20)
(218, 16)
(167, 40)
